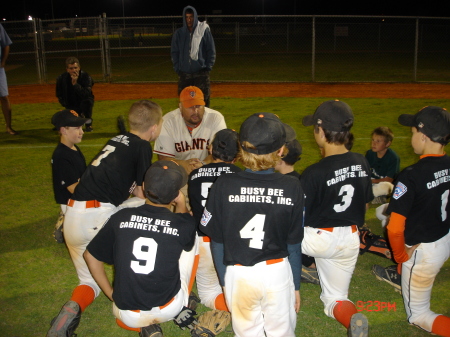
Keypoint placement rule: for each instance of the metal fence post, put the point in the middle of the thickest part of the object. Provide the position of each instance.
(287, 37)
(105, 50)
(416, 51)
(313, 50)
(237, 37)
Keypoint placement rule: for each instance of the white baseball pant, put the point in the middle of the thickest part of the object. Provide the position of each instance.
(142, 318)
(261, 299)
(81, 225)
(208, 285)
(335, 254)
(418, 275)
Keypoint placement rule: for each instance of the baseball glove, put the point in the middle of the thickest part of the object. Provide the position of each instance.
(58, 232)
(186, 318)
(211, 323)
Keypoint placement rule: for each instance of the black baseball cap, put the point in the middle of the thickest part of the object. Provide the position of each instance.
(432, 121)
(163, 181)
(295, 150)
(225, 145)
(332, 115)
(68, 118)
(266, 132)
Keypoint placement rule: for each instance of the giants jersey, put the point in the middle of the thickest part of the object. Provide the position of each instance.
(421, 195)
(175, 140)
(199, 183)
(116, 170)
(254, 215)
(67, 167)
(144, 244)
(337, 189)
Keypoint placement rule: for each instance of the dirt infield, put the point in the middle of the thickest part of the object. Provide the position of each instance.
(46, 93)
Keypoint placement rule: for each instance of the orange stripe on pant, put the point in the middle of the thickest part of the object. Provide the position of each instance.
(194, 272)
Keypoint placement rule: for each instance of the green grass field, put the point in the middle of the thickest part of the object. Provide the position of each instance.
(37, 275)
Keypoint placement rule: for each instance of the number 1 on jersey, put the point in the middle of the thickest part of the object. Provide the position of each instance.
(254, 230)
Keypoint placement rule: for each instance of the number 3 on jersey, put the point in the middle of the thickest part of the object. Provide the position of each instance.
(347, 192)
(254, 230)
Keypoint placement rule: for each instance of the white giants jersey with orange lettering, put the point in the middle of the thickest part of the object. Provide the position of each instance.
(176, 141)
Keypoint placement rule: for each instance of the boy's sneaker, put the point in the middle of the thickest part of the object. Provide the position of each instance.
(372, 243)
(193, 301)
(389, 275)
(66, 322)
(309, 275)
(153, 330)
(359, 326)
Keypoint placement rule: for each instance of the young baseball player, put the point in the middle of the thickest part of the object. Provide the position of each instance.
(337, 189)
(68, 162)
(286, 166)
(115, 173)
(223, 150)
(152, 250)
(254, 220)
(419, 224)
(384, 162)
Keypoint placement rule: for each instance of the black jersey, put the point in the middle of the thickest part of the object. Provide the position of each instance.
(337, 189)
(421, 196)
(116, 170)
(144, 244)
(67, 167)
(254, 215)
(199, 183)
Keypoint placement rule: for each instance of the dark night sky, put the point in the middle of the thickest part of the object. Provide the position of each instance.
(20, 9)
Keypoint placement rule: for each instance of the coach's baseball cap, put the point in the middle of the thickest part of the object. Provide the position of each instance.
(432, 121)
(333, 115)
(295, 150)
(163, 181)
(68, 118)
(225, 145)
(266, 132)
(191, 96)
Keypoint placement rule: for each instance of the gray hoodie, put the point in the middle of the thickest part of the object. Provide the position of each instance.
(193, 51)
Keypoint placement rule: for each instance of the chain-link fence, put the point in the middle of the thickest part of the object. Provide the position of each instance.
(249, 48)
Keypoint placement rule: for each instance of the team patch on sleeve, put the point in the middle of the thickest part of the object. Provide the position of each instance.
(206, 216)
(400, 189)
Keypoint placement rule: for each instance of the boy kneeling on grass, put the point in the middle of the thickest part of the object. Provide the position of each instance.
(419, 222)
(254, 219)
(153, 252)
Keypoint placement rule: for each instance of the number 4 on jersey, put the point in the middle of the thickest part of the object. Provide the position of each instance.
(254, 230)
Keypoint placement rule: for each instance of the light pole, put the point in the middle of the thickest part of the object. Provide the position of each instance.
(123, 13)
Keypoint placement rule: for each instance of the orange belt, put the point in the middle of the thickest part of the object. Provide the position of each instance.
(161, 307)
(268, 262)
(165, 305)
(330, 229)
(89, 203)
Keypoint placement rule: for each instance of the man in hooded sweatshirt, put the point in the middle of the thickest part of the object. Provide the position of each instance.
(193, 53)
